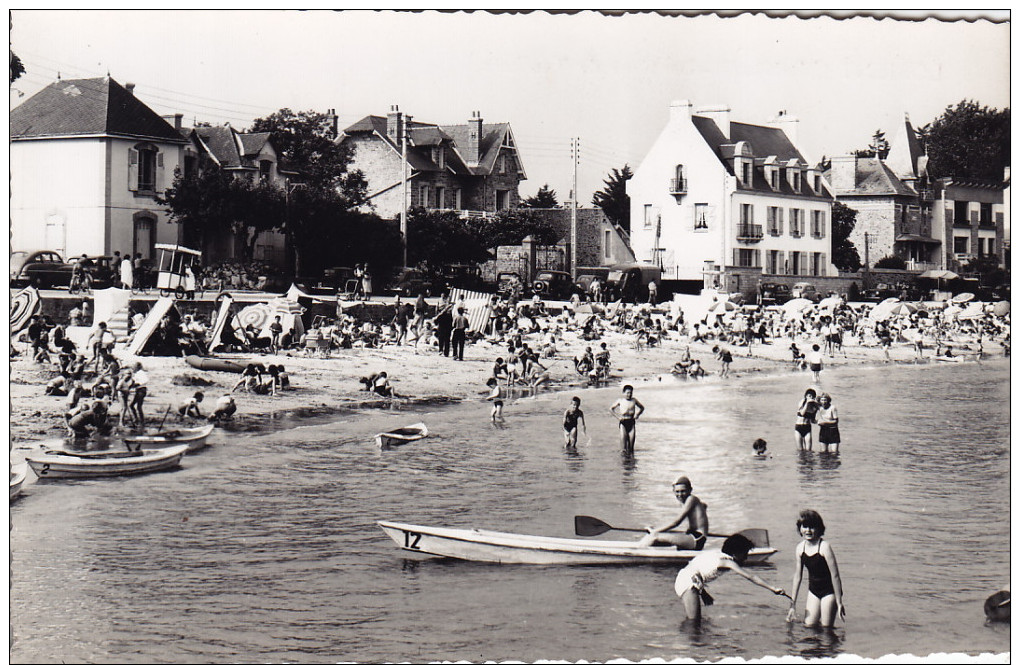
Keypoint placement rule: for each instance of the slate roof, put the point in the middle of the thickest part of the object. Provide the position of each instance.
(226, 145)
(87, 107)
(872, 177)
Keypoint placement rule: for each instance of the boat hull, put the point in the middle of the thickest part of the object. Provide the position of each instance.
(498, 547)
(215, 364)
(60, 464)
(194, 437)
(18, 474)
(399, 437)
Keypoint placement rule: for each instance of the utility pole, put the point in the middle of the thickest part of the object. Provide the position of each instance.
(575, 152)
(402, 130)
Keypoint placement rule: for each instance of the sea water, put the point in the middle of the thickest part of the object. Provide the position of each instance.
(264, 547)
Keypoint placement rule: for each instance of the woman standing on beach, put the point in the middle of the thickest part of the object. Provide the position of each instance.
(825, 589)
(805, 416)
(828, 424)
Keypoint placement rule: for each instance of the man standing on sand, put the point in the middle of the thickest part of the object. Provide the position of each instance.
(627, 410)
(444, 324)
(693, 510)
(460, 328)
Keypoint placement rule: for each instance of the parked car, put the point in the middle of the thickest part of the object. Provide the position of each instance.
(805, 290)
(463, 276)
(43, 269)
(555, 284)
(411, 282)
(104, 273)
(773, 294)
(629, 281)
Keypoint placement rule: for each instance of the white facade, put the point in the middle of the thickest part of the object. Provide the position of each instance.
(693, 213)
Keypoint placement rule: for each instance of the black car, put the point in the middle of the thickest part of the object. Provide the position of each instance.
(773, 294)
(411, 282)
(555, 284)
(43, 269)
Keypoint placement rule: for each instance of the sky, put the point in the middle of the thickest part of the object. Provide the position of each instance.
(607, 80)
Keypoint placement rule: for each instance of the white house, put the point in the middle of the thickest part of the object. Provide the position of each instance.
(87, 161)
(715, 200)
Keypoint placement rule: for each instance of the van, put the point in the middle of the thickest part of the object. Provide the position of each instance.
(629, 281)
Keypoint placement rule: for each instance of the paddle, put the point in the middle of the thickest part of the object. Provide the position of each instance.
(164, 417)
(592, 526)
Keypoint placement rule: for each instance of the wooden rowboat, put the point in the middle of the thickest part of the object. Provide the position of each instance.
(18, 474)
(498, 547)
(215, 364)
(195, 437)
(401, 435)
(55, 463)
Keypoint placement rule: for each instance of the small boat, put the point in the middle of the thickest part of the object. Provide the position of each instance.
(401, 435)
(195, 437)
(498, 547)
(18, 474)
(56, 463)
(215, 364)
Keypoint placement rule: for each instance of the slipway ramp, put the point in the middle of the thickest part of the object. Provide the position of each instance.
(149, 325)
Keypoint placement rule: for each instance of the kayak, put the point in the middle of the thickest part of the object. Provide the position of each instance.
(55, 463)
(215, 364)
(401, 435)
(195, 437)
(18, 474)
(499, 547)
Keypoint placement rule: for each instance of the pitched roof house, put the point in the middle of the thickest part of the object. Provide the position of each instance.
(88, 159)
(474, 167)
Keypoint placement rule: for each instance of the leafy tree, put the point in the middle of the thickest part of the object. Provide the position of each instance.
(891, 262)
(613, 197)
(438, 237)
(844, 252)
(510, 227)
(17, 68)
(545, 198)
(967, 141)
(879, 146)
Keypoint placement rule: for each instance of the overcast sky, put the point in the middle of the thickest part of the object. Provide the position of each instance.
(607, 80)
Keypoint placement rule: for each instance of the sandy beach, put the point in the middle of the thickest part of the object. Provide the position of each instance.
(326, 385)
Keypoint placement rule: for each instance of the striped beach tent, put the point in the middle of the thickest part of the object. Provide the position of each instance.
(24, 305)
(475, 309)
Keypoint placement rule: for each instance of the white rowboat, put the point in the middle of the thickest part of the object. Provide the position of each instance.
(195, 437)
(498, 547)
(18, 474)
(54, 463)
(401, 435)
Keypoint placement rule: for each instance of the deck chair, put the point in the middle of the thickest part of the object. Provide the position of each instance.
(351, 289)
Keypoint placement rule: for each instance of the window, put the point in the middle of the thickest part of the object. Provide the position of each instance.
(648, 216)
(961, 216)
(795, 263)
(502, 199)
(986, 214)
(747, 258)
(796, 181)
(502, 163)
(424, 196)
(818, 183)
(144, 241)
(960, 244)
(143, 162)
(795, 223)
(700, 216)
(439, 156)
(265, 168)
(190, 165)
(774, 262)
(440, 197)
(607, 245)
(456, 199)
(746, 213)
(772, 220)
(818, 263)
(678, 184)
(774, 179)
(747, 166)
(817, 223)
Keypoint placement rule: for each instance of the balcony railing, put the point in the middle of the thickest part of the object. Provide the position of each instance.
(467, 214)
(926, 194)
(749, 232)
(921, 266)
(678, 185)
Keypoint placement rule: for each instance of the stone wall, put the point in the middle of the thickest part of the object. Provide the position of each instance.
(877, 218)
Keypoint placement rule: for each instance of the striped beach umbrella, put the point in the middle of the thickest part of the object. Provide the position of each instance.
(24, 305)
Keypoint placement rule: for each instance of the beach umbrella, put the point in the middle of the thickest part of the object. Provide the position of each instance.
(973, 310)
(951, 311)
(831, 301)
(1000, 308)
(887, 302)
(902, 308)
(24, 305)
(721, 306)
(256, 315)
(939, 274)
(795, 305)
(963, 297)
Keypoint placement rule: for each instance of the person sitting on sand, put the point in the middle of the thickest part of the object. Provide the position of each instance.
(250, 377)
(381, 386)
(282, 378)
(189, 407)
(693, 511)
(225, 409)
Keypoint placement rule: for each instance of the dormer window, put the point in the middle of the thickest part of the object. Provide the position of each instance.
(795, 180)
(817, 183)
(747, 168)
(439, 156)
(774, 179)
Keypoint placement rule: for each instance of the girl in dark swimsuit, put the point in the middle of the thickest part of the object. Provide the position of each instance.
(825, 591)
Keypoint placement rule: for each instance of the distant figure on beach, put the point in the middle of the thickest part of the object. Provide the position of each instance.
(825, 590)
(225, 409)
(188, 408)
(275, 330)
(571, 417)
(805, 416)
(760, 448)
(496, 397)
(627, 410)
(693, 578)
(828, 424)
(814, 359)
(693, 510)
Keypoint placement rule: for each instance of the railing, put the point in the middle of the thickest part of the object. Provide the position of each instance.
(921, 266)
(749, 232)
(926, 194)
(467, 214)
(796, 232)
(678, 185)
(775, 231)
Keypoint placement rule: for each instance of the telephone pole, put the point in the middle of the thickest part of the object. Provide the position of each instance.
(575, 153)
(402, 130)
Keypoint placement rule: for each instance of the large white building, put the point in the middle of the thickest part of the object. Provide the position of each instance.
(88, 160)
(718, 202)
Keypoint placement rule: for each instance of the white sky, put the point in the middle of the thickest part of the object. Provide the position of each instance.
(607, 80)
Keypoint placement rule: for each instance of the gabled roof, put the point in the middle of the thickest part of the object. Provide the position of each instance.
(88, 107)
(254, 142)
(231, 148)
(492, 140)
(873, 178)
(904, 151)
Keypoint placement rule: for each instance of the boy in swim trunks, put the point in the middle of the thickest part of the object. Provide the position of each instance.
(693, 511)
(571, 417)
(496, 397)
(627, 410)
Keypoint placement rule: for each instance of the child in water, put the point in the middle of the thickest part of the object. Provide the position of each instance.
(496, 397)
(571, 417)
(825, 590)
(760, 449)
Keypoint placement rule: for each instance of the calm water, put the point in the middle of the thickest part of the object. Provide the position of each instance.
(264, 547)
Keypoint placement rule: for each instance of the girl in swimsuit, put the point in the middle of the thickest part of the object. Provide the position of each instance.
(825, 590)
(805, 416)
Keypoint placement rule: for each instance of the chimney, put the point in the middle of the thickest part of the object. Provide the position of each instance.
(395, 124)
(331, 123)
(721, 116)
(843, 173)
(474, 146)
(679, 111)
(788, 124)
(130, 87)
(176, 120)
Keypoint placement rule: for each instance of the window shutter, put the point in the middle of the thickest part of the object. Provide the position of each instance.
(823, 261)
(821, 226)
(736, 256)
(757, 258)
(159, 172)
(779, 220)
(974, 216)
(780, 263)
(132, 169)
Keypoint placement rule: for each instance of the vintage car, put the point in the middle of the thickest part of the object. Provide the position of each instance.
(411, 282)
(43, 269)
(554, 284)
(771, 293)
(805, 290)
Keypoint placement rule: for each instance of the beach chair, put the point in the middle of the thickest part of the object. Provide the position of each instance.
(352, 288)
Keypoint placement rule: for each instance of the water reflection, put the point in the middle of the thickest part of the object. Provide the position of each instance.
(806, 464)
(828, 461)
(574, 459)
(628, 463)
(813, 642)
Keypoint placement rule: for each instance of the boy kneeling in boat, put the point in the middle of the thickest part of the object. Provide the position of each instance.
(693, 510)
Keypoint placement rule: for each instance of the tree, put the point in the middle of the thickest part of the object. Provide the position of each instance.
(879, 146)
(613, 197)
(967, 141)
(545, 198)
(435, 238)
(891, 262)
(17, 68)
(510, 227)
(844, 252)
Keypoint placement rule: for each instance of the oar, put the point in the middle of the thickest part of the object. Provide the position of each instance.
(593, 526)
(164, 417)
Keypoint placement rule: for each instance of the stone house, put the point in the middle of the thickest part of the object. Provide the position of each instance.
(88, 160)
(473, 168)
(716, 202)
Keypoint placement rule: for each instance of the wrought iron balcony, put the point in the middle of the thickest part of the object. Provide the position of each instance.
(926, 194)
(749, 232)
(677, 186)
